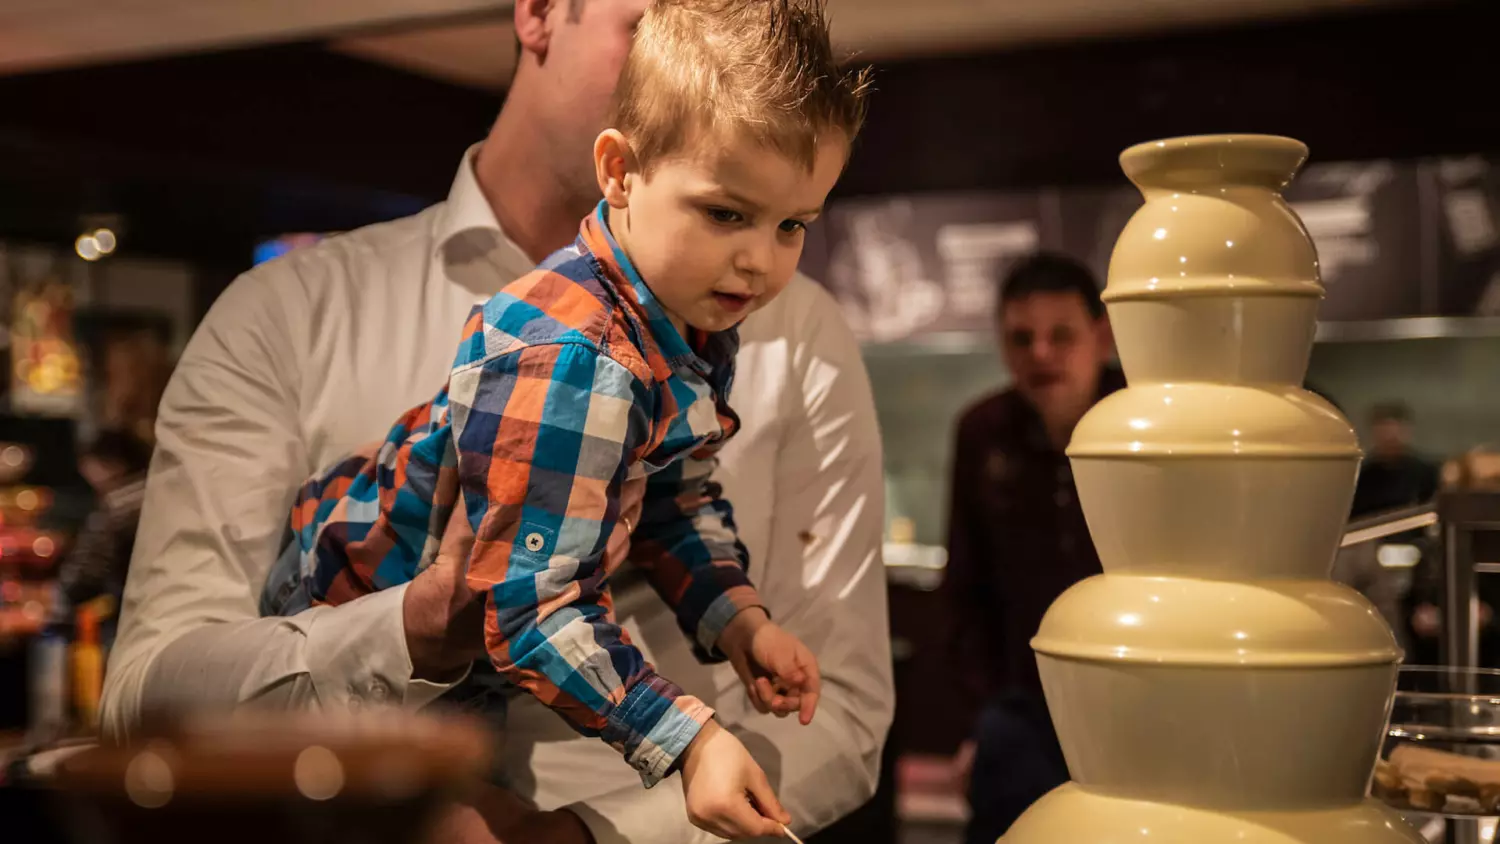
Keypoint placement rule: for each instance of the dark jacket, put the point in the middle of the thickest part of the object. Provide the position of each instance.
(1016, 539)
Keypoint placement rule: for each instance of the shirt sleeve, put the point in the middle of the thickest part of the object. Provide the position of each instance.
(544, 437)
(229, 457)
(688, 547)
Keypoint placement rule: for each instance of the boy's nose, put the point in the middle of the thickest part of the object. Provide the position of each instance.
(757, 256)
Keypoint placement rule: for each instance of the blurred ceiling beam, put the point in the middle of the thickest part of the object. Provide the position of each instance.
(467, 42)
(205, 151)
(481, 54)
(887, 29)
(50, 34)
(478, 54)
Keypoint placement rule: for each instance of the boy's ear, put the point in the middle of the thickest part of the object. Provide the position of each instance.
(615, 167)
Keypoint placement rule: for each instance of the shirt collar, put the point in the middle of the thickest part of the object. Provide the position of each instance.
(673, 345)
(467, 228)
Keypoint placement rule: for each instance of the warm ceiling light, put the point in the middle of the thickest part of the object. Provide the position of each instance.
(87, 248)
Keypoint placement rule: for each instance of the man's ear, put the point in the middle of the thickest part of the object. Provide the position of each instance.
(533, 29)
(614, 167)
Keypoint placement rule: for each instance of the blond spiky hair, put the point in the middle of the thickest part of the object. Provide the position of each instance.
(758, 69)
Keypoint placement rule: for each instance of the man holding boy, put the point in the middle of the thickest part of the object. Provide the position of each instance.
(250, 413)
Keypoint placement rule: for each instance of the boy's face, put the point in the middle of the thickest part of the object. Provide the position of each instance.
(718, 234)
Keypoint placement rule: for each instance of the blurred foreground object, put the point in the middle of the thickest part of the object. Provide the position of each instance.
(271, 777)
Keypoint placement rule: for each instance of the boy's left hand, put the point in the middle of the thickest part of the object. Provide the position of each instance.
(779, 672)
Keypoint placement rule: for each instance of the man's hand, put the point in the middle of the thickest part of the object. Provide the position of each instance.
(718, 775)
(443, 617)
(779, 672)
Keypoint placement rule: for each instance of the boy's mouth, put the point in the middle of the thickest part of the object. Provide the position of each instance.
(732, 302)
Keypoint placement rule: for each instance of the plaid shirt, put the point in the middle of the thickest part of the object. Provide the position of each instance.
(580, 428)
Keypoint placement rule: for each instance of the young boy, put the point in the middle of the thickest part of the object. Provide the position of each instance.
(580, 419)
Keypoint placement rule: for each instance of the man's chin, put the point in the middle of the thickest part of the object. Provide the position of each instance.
(1045, 393)
(1054, 400)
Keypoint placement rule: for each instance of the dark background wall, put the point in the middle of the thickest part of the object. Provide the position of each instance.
(206, 153)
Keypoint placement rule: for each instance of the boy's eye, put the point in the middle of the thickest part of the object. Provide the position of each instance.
(792, 226)
(724, 215)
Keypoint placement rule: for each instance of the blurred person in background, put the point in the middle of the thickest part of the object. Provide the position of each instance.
(114, 464)
(1393, 475)
(1017, 537)
(251, 412)
(136, 365)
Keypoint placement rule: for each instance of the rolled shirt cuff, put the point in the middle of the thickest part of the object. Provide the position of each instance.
(717, 617)
(654, 725)
(357, 656)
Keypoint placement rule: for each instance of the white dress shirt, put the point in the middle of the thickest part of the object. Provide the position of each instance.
(312, 354)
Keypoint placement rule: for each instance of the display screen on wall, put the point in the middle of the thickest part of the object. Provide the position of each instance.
(903, 266)
(1466, 196)
(1364, 221)
(1394, 239)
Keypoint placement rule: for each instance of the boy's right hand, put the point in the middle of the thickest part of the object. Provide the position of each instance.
(727, 793)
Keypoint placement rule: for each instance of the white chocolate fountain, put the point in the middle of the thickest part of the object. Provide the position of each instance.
(1214, 685)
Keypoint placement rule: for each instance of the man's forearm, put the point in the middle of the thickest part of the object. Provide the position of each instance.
(302, 661)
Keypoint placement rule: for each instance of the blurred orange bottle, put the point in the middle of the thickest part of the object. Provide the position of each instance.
(88, 669)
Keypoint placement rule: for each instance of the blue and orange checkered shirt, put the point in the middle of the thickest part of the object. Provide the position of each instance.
(579, 427)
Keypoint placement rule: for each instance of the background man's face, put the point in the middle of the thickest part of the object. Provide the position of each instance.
(1055, 350)
(1390, 437)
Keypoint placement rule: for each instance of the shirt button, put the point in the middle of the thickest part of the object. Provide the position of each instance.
(379, 691)
(1067, 544)
(534, 542)
(1063, 498)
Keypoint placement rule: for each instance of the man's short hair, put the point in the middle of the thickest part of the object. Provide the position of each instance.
(721, 70)
(1049, 272)
(1393, 410)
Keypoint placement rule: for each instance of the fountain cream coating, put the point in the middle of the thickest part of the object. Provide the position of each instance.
(1214, 684)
